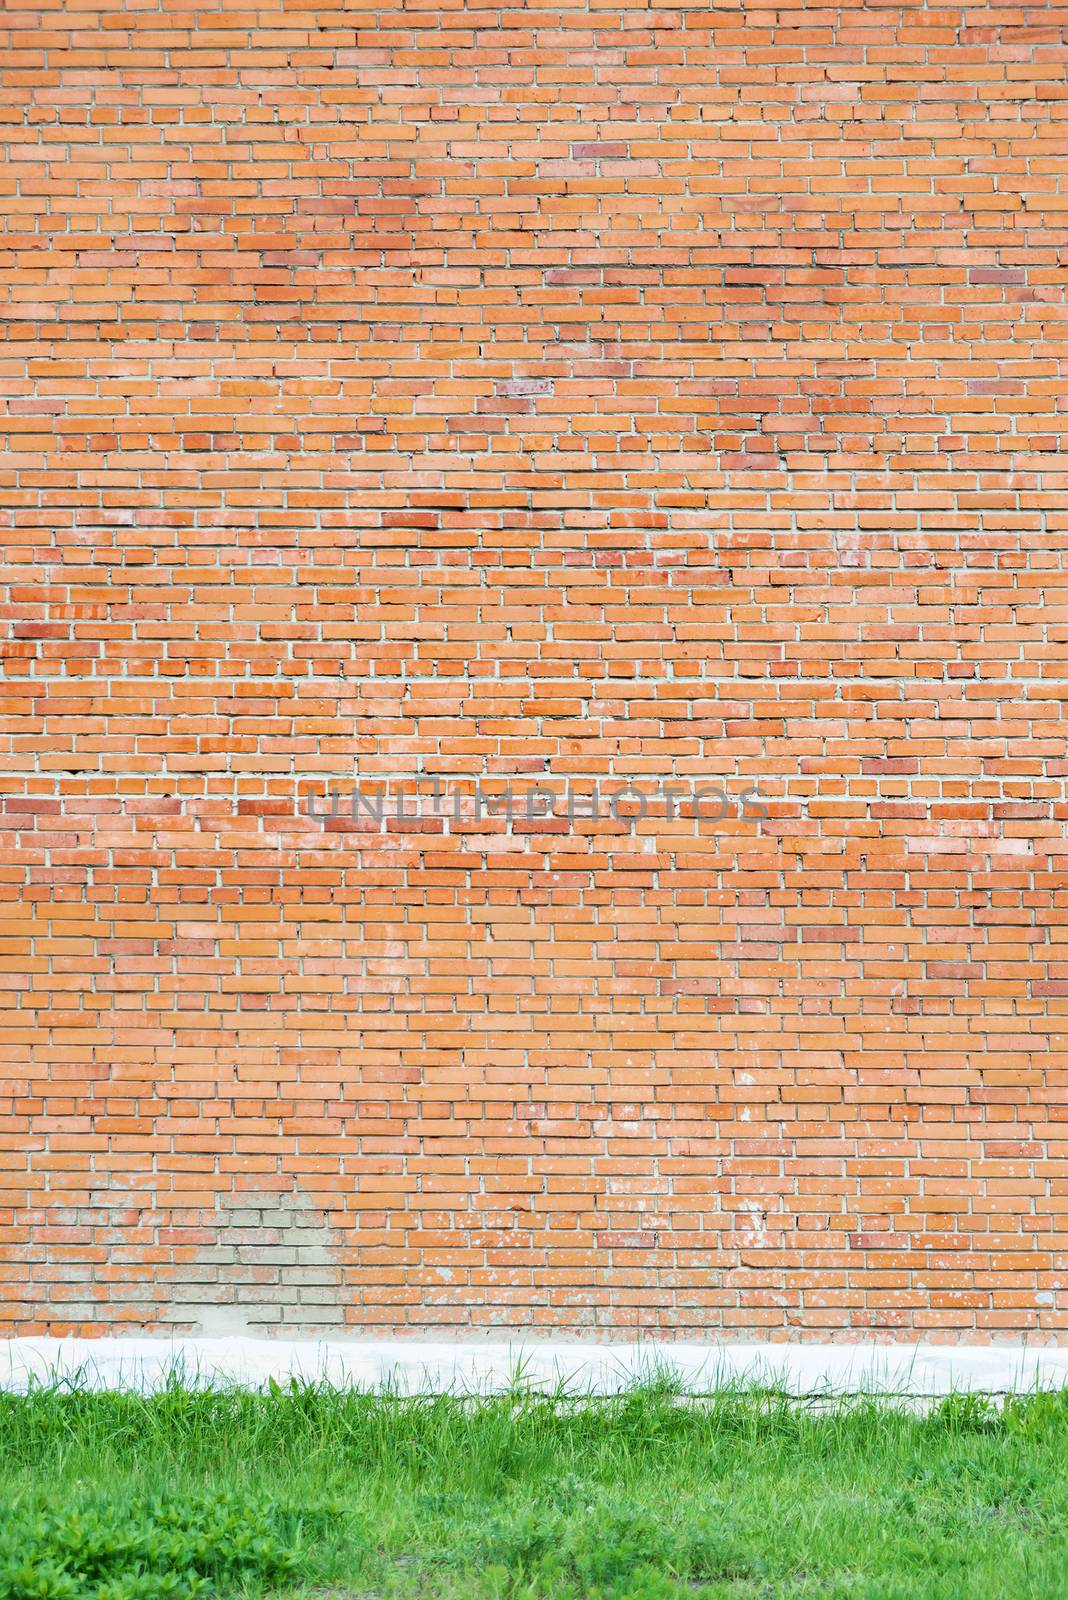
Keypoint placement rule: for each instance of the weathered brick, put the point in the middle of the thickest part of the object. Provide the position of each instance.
(595, 397)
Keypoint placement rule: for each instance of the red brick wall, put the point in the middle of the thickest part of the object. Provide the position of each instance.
(565, 394)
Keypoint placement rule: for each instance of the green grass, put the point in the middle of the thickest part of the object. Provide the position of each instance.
(639, 1497)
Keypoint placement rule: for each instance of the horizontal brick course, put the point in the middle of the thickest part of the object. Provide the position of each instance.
(560, 397)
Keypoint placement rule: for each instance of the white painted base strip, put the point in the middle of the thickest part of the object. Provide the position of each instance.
(484, 1367)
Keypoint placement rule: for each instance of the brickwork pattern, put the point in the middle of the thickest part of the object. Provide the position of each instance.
(558, 395)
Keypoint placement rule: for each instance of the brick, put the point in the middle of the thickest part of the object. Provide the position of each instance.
(462, 418)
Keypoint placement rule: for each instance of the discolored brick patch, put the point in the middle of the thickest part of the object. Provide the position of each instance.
(271, 1267)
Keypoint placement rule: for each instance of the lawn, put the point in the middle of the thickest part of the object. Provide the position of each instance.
(305, 1491)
